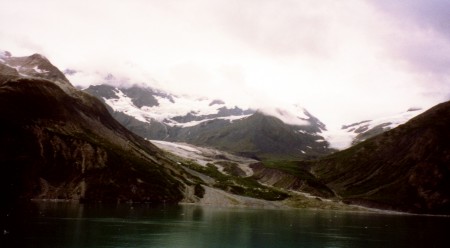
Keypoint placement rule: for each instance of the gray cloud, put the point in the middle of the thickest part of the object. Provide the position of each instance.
(343, 60)
(425, 38)
(419, 43)
(276, 28)
(428, 14)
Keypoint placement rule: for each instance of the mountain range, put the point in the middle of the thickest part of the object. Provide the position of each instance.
(281, 133)
(62, 143)
(154, 114)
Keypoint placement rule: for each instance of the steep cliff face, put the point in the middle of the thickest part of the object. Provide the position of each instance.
(60, 143)
(407, 168)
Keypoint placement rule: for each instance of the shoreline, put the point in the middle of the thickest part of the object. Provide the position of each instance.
(260, 204)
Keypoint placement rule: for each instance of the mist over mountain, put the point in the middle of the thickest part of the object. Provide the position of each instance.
(271, 132)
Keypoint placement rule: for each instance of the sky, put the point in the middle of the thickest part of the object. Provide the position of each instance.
(344, 61)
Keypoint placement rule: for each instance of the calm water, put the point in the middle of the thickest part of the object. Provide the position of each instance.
(73, 225)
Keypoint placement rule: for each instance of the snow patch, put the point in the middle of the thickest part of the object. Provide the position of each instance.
(125, 104)
(36, 69)
(338, 139)
(395, 120)
(194, 123)
(180, 107)
(169, 108)
(301, 131)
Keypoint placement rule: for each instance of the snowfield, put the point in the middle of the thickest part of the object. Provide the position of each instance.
(343, 138)
(170, 108)
(203, 156)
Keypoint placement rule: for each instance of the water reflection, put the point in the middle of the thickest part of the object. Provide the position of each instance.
(73, 225)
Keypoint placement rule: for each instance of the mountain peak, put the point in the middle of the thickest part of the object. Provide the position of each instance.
(38, 56)
(36, 66)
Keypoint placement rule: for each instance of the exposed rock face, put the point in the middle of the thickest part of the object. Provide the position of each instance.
(63, 144)
(407, 168)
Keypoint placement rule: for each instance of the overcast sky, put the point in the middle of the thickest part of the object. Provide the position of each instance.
(344, 61)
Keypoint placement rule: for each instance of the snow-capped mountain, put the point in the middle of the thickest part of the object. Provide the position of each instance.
(148, 105)
(276, 132)
(355, 133)
(36, 66)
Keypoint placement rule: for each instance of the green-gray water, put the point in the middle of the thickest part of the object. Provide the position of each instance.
(74, 225)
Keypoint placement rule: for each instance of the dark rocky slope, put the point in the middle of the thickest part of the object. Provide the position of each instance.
(63, 144)
(407, 168)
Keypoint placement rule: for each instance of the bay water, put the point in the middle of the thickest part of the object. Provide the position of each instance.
(50, 224)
